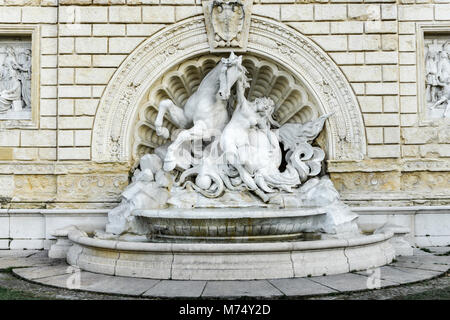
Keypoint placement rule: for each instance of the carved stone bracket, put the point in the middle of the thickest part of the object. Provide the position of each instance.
(227, 24)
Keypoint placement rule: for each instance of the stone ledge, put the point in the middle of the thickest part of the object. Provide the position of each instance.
(59, 168)
(77, 237)
(333, 166)
(360, 210)
(229, 261)
(402, 210)
(385, 165)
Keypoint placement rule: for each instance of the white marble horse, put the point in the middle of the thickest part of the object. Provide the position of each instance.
(252, 149)
(204, 114)
(234, 140)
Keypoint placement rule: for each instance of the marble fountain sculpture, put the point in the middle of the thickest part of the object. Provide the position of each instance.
(232, 194)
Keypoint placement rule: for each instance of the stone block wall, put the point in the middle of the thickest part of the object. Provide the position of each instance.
(83, 42)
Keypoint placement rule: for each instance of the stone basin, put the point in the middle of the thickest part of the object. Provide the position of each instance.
(231, 223)
(229, 261)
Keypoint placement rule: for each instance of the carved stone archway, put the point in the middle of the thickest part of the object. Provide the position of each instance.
(116, 116)
(293, 102)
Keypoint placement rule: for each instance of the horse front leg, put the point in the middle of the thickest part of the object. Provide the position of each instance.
(176, 114)
(181, 156)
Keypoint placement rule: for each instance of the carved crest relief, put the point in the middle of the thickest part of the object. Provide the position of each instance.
(227, 24)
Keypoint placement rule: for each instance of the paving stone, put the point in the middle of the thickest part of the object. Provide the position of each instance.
(412, 262)
(42, 272)
(40, 254)
(177, 288)
(256, 288)
(349, 282)
(55, 272)
(25, 258)
(442, 259)
(438, 250)
(432, 259)
(22, 262)
(17, 253)
(300, 287)
(405, 275)
(123, 285)
(4, 275)
(76, 280)
(420, 252)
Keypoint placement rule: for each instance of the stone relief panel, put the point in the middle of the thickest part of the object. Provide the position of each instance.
(426, 181)
(91, 187)
(15, 78)
(63, 185)
(366, 181)
(36, 187)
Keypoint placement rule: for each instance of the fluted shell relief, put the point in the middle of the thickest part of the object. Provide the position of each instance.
(293, 102)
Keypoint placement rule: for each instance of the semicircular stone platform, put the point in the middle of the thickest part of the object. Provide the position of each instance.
(36, 267)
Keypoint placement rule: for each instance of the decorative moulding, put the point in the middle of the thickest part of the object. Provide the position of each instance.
(334, 166)
(31, 31)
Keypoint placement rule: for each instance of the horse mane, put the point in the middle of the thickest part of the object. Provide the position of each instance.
(211, 73)
(245, 80)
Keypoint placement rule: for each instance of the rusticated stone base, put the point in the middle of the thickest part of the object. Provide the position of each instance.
(388, 182)
(91, 185)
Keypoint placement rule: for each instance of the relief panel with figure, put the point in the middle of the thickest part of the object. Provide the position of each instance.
(15, 78)
(437, 79)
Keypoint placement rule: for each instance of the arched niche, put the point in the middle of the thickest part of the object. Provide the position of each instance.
(304, 66)
(293, 102)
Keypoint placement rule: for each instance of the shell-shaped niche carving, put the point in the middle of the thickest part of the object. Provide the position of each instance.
(293, 102)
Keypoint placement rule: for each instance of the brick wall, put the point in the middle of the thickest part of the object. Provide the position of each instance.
(37, 144)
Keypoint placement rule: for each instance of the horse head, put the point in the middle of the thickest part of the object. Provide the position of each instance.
(231, 71)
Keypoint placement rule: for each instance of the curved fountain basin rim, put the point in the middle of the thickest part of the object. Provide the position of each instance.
(78, 237)
(231, 213)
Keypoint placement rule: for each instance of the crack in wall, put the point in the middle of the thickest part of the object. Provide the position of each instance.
(171, 264)
(78, 256)
(345, 255)
(116, 260)
(292, 264)
(115, 264)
